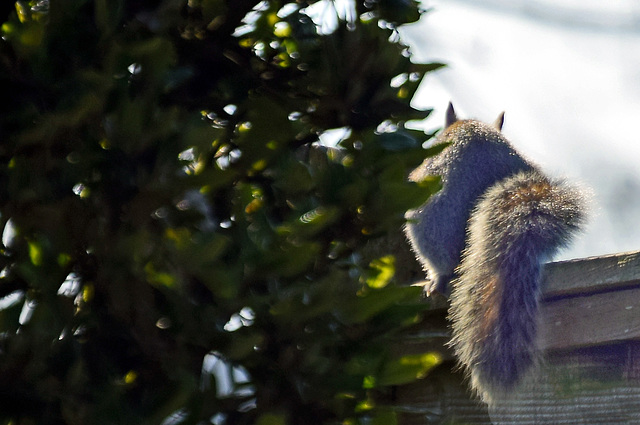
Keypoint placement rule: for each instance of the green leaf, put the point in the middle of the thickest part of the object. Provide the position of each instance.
(397, 141)
(35, 253)
(375, 301)
(161, 161)
(243, 344)
(271, 419)
(408, 368)
(399, 11)
(385, 416)
(156, 277)
(384, 269)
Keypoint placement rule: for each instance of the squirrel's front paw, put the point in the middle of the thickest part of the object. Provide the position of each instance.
(437, 285)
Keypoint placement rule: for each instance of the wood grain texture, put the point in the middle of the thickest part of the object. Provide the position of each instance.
(592, 274)
(590, 372)
(591, 301)
(600, 318)
(586, 386)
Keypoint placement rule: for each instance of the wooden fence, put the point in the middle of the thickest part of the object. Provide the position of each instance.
(590, 374)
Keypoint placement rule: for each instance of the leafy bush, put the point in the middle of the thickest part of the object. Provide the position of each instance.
(177, 247)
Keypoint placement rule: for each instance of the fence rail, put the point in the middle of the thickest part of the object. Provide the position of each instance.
(590, 336)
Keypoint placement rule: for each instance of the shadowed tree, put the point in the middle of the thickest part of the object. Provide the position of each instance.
(176, 247)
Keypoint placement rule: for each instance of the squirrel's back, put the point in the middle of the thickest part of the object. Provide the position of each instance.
(477, 157)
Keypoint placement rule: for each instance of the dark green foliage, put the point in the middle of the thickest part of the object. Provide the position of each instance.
(156, 167)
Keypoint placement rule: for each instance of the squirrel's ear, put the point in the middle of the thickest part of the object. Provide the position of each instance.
(499, 121)
(450, 117)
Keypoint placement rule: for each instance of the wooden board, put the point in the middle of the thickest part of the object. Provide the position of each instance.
(594, 274)
(596, 319)
(590, 332)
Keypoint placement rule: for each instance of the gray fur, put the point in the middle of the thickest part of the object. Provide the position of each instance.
(490, 229)
(513, 230)
(436, 230)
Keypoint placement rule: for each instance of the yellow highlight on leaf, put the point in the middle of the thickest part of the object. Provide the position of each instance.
(130, 377)
(87, 292)
(425, 361)
(246, 42)
(35, 253)
(244, 127)
(282, 60)
(272, 144)
(180, 236)
(85, 192)
(7, 28)
(282, 29)
(369, 382)
(365, 405)
(385, 268)
(159, 278)
(272, 18)
(345, 396)
(23, 12)
(197, 167)
(259, 165)
(253, 206)
(63, 259)
(408, 368)
(403, 93)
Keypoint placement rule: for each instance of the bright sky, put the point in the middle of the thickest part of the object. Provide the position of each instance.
(566, 73)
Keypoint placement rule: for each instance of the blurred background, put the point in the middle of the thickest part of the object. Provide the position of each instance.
(566, 73)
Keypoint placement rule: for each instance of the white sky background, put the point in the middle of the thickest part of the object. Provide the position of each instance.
(567, 73)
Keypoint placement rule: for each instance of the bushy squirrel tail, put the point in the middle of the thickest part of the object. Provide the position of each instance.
(518, 224)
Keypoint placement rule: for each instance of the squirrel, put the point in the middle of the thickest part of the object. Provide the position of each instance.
(496, 220)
